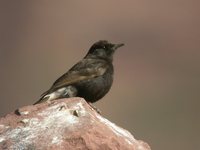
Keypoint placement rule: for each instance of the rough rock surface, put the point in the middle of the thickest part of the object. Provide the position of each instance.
(66, 124)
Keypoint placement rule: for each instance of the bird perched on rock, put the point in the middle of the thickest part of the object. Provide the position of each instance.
(91, 78)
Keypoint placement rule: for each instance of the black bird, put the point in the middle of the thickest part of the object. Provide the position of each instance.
(91, 78)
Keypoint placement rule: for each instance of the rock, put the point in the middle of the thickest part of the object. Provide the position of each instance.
(65, 124)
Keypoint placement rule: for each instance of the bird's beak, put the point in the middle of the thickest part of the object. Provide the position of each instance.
(116, 46)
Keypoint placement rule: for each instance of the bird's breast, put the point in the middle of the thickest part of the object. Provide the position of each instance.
(95, 88)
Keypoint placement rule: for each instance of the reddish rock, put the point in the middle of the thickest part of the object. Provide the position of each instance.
(66, 124)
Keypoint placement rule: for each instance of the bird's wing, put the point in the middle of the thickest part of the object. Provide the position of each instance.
(83, 70)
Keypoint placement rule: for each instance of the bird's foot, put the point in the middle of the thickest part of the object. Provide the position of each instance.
(95, 108)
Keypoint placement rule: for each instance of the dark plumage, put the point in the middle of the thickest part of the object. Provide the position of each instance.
(91, 78)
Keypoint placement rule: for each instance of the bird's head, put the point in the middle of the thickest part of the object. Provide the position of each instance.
(103, 49)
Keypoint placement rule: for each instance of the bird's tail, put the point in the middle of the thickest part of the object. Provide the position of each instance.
(64, 92)
(43, 98)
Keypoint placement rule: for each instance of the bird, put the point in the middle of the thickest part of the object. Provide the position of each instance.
(91, 78)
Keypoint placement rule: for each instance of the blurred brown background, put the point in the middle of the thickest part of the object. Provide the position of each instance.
(156, 90)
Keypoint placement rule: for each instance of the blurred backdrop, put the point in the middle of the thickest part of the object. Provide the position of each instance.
(156, 90)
